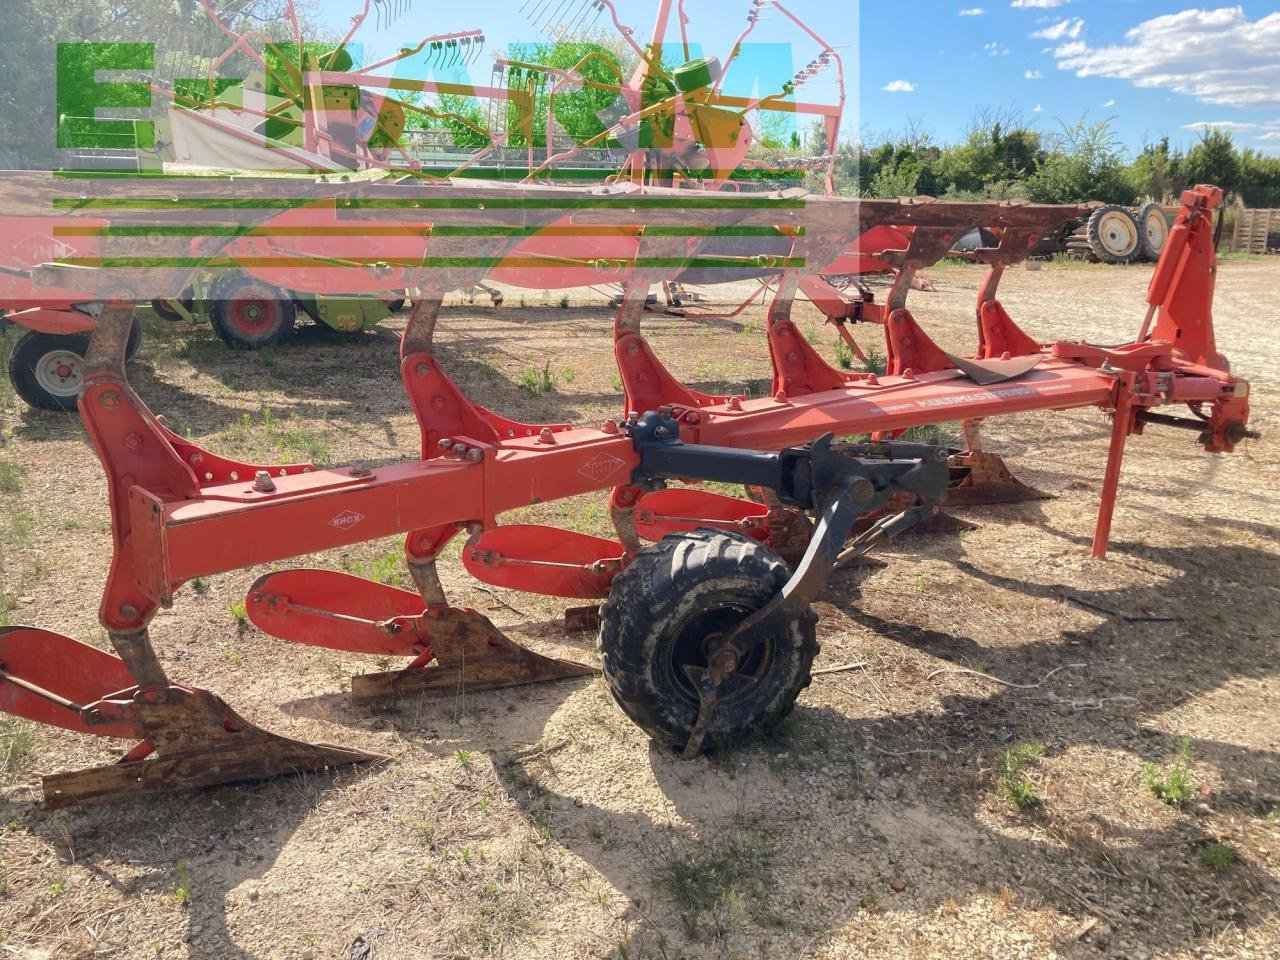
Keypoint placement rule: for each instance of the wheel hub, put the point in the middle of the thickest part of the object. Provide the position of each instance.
(59, 373)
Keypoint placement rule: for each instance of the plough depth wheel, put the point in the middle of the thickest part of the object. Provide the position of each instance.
(665, 612)
(47, 369)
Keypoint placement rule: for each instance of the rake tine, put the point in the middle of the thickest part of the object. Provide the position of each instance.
(536, 10)
(557, 15)
(552, 13)
(576, 26)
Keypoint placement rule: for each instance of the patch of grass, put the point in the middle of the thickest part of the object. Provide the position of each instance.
(844, 356)
(719, 885)
(568, 374)
(238, 611)
(464, 757)
(535, 381)
(564, 302)
(385, 568)
(17, 740)
(57, 889)
(268, 438)
(10, 477)
(1014, 785)
(1218, 857)
(502, 918)
(1174, 785)
(182, 892)
(876, 362)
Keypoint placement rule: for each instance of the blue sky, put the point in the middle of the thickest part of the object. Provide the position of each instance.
(1154, 67)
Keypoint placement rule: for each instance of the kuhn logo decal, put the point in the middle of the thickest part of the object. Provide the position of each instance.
(346, 519)
(601, 468)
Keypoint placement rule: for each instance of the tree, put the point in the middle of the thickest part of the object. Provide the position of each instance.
(1213, 160)
(1084, 162)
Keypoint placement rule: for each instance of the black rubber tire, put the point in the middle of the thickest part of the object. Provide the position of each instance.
(167, 313)
(1154, 239)
(1105, 229)
(672, 596)
(37, 386)
(33, 352)
(248, 314)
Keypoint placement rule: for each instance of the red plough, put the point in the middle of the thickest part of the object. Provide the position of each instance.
(704, 634)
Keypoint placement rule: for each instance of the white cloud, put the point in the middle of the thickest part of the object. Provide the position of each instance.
(1037, 4)
(1217, 56)
(1263, 131)
(996, 49)
(1068, 29)
(1033, 75)
(1109, 103)
(1039, 108)
(899, 86)
(972, 12)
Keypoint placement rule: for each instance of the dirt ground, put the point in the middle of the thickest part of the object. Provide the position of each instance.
(539, 823)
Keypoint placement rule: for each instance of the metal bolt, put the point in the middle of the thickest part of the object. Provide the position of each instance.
(633, 417)
(110, 399)
(661, 432)
(460, 449)
(445, 443)
(133, 441)
(422, 369)
(610, 426)
(546, 436)
(360, 470)
(128, 611)
(263, 483)
(475, 454)
(735, 403)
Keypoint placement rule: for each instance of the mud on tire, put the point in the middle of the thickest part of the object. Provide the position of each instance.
(659, 614)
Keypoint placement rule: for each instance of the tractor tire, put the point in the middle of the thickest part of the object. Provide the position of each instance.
(1114, 235)
(47, 369)
(1154, 229)
(248, 314)
(663, 608)
(165, 312)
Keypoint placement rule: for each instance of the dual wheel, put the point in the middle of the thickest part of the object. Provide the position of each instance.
(1119, 235)
(667, 610)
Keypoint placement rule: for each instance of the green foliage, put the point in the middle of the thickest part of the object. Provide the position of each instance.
(182, 891)
(1014, 784)
(577, 107)
(535, 381)
(844, 356)
(1174, 785)
(1218, 857)
(17, 740)
(719, 886)
(1001, 157)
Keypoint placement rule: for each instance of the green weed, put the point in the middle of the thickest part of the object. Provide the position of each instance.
(535, 381)
(1218, 857)
(1173, 786)
(1014, 784)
